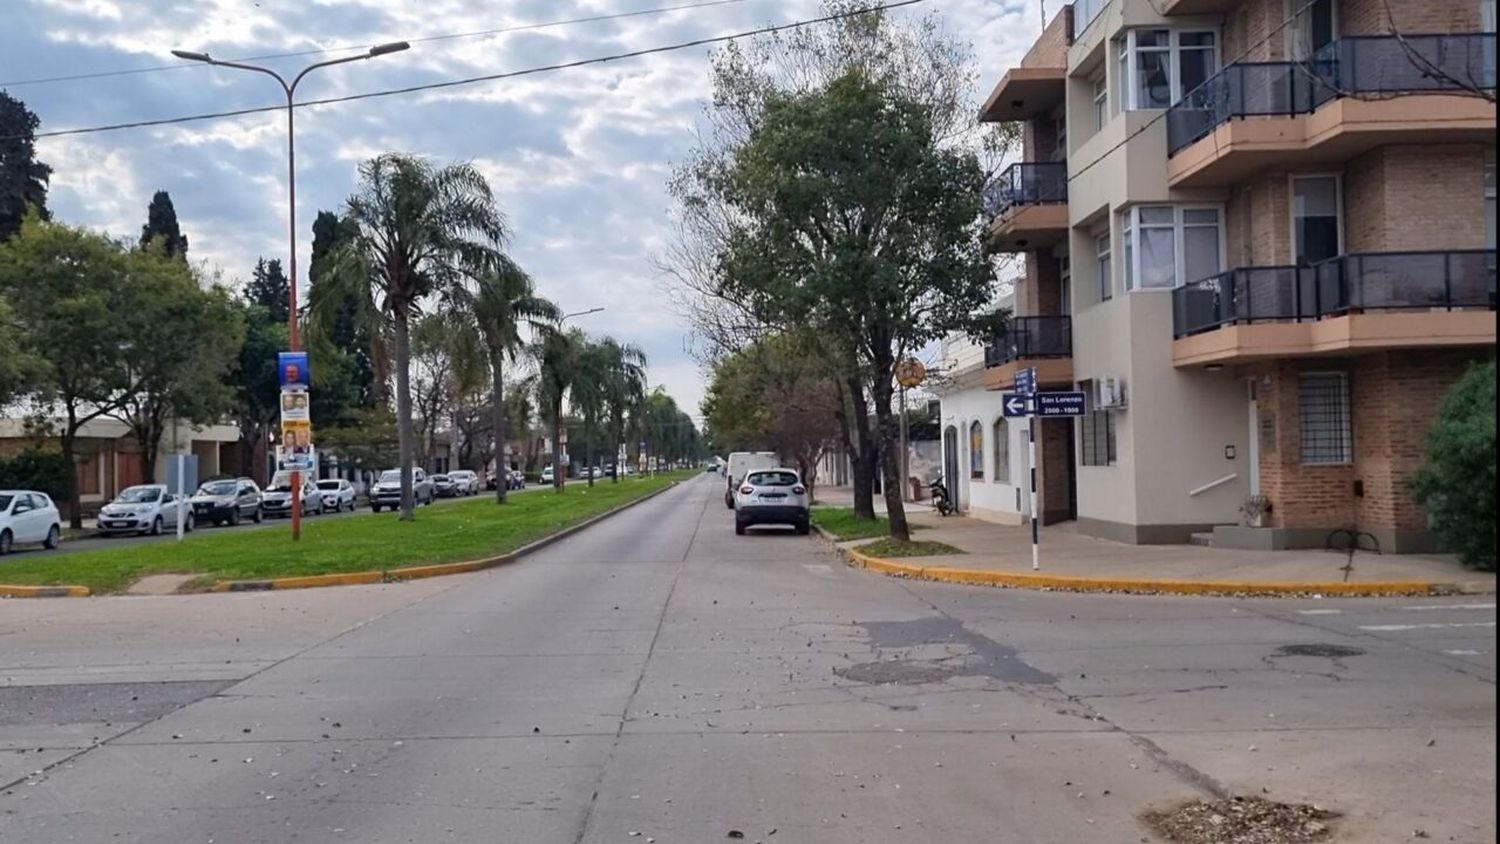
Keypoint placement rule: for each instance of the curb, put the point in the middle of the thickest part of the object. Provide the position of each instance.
(403, 573)
(1070, 583)
(43, 591)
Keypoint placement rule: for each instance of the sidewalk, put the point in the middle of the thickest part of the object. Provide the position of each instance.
(1006, 549)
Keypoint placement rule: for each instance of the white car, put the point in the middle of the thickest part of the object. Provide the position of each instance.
(143, 509)
(464, 481)
(772, 497)
(547, 475)
(338, 494)
(28, 516)
(386, 491)
(276, 498)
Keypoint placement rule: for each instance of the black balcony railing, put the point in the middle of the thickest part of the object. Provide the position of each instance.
(1355, 66)
(1367, 281)
(1027, 183)
(1030, 337)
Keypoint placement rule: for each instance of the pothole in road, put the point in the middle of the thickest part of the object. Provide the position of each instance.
(936, 649)
(1326, 651)
(1242, 821)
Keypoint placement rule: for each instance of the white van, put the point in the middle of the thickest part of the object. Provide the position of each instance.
(742, 463)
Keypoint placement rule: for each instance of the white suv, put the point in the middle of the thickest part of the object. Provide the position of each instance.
(772, 497)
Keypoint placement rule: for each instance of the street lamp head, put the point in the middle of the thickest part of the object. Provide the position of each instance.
(390, 47)
(192, 56)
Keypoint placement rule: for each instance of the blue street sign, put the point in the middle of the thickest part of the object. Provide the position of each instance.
(1026, 381)
(1060, 404)
(1015, 404)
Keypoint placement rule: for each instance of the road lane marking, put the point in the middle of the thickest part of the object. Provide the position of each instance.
(819, 569)
(1319, 612)
(1386, 628)
(1451, 607)
(1463, 653)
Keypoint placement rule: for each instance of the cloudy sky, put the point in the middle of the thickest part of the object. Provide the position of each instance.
(578, 158)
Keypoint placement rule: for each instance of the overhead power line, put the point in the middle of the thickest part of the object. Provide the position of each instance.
(103, 74)
(471, 80)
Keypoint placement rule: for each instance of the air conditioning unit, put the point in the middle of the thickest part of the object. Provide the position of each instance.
(1111, 393)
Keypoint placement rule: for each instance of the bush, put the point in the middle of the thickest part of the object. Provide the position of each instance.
(44, 471)
(1457, 486)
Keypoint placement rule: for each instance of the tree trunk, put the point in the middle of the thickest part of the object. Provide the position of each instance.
(557, 470)
(403, 411)
(588, 454)
(890, 435)
(70, 460)
(862, 466)
(497, 410)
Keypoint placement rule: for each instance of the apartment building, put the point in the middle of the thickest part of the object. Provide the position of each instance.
(1260, 235)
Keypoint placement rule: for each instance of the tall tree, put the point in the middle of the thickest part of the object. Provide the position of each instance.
(161, 224)
(256, 385)
(504, 302)
(352, 343)
(417, 232)
(270, 289)
(624, 389)
(23, 179)
(557, 355)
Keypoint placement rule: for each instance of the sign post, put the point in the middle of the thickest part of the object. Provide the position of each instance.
(909, 373)
(1027, 402)
(296, 425)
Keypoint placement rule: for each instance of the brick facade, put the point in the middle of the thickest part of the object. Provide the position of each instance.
(1040, 292)
(1257, 221)
(1413, 198)
(1056, 459)
(1051, 48)
(1253, 24)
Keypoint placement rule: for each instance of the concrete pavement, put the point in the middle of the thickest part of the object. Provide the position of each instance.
(658, 675)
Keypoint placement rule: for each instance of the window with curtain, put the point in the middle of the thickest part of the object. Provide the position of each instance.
(1168, 246)
(1001, 437)
(1323, 414)
(1315, 218)
(1101, 100)
(1106, 281)
(1159, 66)
(976, 451)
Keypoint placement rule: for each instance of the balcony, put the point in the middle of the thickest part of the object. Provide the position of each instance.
(1375, 300)
(1353, 95)
(1044, 342)
(1028, 206)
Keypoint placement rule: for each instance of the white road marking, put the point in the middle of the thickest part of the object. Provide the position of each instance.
(1319, 612)
(1451, 607)
(1463, 653)
(818, 569)
(1394, 627)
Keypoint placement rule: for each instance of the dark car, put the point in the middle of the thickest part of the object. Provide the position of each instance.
(444, 487)
(226, 501)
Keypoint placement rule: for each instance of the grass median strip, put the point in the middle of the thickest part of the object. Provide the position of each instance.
(897, 548)
(461, 531)
(844, 525)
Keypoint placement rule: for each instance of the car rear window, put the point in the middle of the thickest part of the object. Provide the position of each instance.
(328, 485)
(772, 479)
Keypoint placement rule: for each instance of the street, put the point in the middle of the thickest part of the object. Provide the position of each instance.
(655, 678)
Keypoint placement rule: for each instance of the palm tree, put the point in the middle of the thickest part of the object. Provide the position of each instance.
(502, 303)
(625, 389)
(416, 233)
(557, 356)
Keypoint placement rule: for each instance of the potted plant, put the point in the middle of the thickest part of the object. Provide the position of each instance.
(1255, 509)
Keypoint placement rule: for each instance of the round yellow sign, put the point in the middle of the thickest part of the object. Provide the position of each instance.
(910, 372)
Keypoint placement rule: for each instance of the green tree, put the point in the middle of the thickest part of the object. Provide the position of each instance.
(270, 289)
(23, 179)
(169, 378)
(503, 302)
(161, 224)
(624, 390)
(417, 233)
(68, 289)
(368, 443)
(255, 383)
(1457, 486)
(351, 349)
(557, 354)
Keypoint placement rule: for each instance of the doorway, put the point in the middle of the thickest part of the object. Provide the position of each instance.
(950, 463)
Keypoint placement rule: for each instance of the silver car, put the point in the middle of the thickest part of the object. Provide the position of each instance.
(276, 498)
(338, 494)
(465, 482)
(386, 491)
(772, 497)
(147, 508)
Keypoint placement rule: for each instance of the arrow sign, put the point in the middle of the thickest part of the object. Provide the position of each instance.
(1060, 404)
(1015, 404)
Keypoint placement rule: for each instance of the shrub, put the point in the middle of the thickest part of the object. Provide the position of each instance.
(34, 468)
(1457, 486)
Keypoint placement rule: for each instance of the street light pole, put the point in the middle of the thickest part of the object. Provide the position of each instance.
(290, 89)
(566, 317)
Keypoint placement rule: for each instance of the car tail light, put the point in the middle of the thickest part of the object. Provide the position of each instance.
(798, 489)
(746, 489)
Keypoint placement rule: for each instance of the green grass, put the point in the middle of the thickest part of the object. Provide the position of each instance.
(844, 525)
(445, 533)
(896, 548)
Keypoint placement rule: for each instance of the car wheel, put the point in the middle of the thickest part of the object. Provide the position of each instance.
(6, 542)
(54, 537)
(803, 528)
(739, 528)
(257, 516)
(234, 517)
(156, 526)
(188, 525)
(375, 507)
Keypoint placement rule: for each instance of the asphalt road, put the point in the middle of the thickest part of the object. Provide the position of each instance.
(657, 679)
(95, 542)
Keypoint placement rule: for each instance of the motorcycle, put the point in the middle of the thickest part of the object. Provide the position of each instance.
(940, 499)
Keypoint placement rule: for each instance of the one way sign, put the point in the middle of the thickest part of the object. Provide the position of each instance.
(1015, 404)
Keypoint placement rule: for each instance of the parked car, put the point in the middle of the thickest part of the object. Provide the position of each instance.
(387, 491)
(28, 516)
(226, 501)
(772, 497)
(741, 463)
(517, 479)
(444, 487)
(276, 500)
(147, 508)
(338, 494)
(465, 481)
(547, 475)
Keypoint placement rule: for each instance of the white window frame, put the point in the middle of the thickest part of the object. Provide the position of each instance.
(1065, 288)
(1104, 265)
(1130, 224)
(1299, 12)
(1126, 45)
(1101, 99)
(1291, 208)
(1486, 15)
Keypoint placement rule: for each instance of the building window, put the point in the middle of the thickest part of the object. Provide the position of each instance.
(1168, 246)
(1489, 191)
(976, 451)
(1159, 66)
(1323, 408)
(1106, 281)
(1101, 100)
(1065, 292)
(1316, 227)
(1487, 15)
(1097, 430)
(1001, 435)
